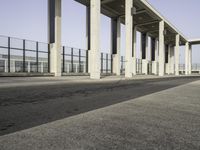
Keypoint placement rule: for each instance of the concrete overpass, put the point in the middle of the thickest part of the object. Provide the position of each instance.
(137, 15)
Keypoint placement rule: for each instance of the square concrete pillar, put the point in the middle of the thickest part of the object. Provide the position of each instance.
(129, 38)
(94, 52)
(134, 63)
(186, 58)
(116, 44)
(171, 62)
(54, 35)
(177, 53)
(161, 49)
(190, 60)
(155, 62)
(154, 55)
(144, 52)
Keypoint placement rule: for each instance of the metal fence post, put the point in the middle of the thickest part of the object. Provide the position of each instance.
(79, 60)
(106, 63)
(72, 60)
(37, 56)
(111, 63)
(101, 62)
(24, 55)
(87, 61)
(8, 54)
(122, 64)
(63, 59)
(49, 69)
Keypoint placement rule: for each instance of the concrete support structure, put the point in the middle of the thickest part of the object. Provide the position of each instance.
(171, 60)
(154, 55)
(161, 49)
(190, 60)
(134, 50)
(116, 44)
(155, 60)
(144, 52)
(94, 52)
(54, 35)
(129, 38)
(167, 57)
(177, 53)
(186, 58)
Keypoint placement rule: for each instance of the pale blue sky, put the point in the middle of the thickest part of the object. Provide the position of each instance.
(27, 19)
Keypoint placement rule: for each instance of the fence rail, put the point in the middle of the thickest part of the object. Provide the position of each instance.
(19, 55)
(74, 60)
(106, 63)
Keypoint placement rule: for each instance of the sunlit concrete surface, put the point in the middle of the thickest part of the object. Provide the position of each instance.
(166, 119)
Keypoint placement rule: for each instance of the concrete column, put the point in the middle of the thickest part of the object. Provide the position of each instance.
(177, 53)
(144, 52)
(172, 60)
(169, 60)
(116, 44)
(134, 63)
(190, 60)
(186, 58)
(95, 13)
(155, 60)
(129, 38)
(54, 35)
(156, 50)
(88, 39)
(161, 49)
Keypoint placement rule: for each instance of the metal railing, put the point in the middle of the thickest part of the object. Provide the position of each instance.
(19, 55)
(106, 63)
(74, 60)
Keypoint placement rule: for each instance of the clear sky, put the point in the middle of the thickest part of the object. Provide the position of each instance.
(27, 19)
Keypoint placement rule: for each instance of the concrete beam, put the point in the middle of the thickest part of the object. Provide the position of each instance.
(147, 23)
(106, 1)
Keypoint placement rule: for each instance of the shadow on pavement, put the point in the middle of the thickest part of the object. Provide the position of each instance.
(26, 107)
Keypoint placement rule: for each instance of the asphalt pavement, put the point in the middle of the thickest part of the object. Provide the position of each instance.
(119, 114)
